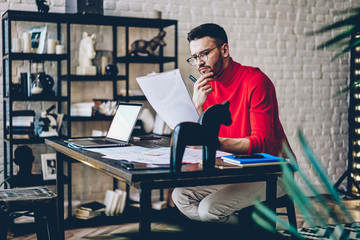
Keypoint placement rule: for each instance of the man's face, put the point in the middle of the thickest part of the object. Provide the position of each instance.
(214, 62)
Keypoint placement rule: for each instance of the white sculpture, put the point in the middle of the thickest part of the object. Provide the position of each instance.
(86, 54)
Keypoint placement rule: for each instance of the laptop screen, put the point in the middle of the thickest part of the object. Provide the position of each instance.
(124, 121)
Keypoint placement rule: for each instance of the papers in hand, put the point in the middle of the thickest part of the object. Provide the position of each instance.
(168, 95)
(252, 159)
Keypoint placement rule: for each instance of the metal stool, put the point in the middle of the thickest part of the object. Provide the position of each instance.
(39, 200)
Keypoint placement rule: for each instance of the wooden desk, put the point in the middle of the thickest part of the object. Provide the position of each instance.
(148, 179)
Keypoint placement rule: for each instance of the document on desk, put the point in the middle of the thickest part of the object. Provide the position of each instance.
(155, 156)
(168, 95)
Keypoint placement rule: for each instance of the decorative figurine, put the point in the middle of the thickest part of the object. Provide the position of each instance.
(43, 84)
(42, 7)
(24, 158)
(49, 123)
(147, 47)
(203, 133)
(86, 55)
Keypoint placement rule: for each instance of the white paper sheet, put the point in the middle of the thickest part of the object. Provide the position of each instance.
(157, 156)
(167, 94)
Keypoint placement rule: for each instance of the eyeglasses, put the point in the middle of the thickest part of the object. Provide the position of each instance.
(201, 56)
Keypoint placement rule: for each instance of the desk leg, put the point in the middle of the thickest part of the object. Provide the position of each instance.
(271, 193)
(69, 188)
(60, 192)
(145, 209)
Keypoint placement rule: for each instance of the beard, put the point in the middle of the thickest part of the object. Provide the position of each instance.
(217, 69)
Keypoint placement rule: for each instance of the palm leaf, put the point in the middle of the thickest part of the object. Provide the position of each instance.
(347, 88)
(310, 186)
(352, 22)
(336, 39)
(307, 209)
(267, 219)
(319, 169)
(347, 49)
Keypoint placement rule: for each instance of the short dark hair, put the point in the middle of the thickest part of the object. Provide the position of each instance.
(208, 30)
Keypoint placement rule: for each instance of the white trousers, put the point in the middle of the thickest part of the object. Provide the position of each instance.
(217, 203)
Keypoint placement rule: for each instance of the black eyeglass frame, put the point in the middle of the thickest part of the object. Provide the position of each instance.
(203, 56)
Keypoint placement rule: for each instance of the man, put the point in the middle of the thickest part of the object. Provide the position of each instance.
(256, 126)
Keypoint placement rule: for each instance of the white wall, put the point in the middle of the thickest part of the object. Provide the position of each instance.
(270, 34)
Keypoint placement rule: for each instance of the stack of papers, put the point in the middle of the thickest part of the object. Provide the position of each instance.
(155, 156)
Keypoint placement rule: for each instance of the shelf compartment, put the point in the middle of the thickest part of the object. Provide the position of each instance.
(35, 140)
(35, 57)
(88, 19)
(91, 119)
(82, 78)
(37, 98)
(131, 98)
(152, 59)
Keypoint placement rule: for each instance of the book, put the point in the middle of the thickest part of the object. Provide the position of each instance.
(23, 113)
(89, 210)
(251, 159)
(122, 201)
(92, 206)
(88, 214)
(115, 202)
(108, 201)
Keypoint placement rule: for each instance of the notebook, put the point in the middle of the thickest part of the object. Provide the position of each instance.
(119, 132)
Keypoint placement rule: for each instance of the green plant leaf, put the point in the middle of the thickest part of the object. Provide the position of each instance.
(308, 210)
(350, 21)
(336, 39)
(267, 219)
(311, 187)
(347, 49)
(319, 169)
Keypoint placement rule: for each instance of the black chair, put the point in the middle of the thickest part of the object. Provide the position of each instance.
(281, 202)
(39, 200)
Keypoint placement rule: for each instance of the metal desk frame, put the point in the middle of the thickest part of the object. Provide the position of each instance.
(147, 180)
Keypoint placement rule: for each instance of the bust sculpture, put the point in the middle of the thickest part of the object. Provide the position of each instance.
(86, 55)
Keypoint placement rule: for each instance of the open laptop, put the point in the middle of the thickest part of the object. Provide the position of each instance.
(119, 132)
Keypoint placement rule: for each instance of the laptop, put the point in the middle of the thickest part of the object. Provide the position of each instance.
(119, 132)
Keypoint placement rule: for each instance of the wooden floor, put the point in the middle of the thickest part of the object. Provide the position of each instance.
(168, 230)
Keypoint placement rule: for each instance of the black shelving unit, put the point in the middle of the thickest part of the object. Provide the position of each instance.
(63, 23)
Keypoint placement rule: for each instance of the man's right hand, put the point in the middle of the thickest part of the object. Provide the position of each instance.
(201, 90)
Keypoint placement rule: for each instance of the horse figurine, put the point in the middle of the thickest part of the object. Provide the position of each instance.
(86, 55)
(147, 47)
(42, 7)
(203, 133)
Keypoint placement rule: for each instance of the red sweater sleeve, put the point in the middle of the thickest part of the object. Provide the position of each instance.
(263, 112)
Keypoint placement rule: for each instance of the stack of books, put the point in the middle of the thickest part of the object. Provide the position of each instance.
(22, 124)
(115, 202)
(90, 210)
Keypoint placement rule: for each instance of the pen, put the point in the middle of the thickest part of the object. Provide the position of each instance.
(192, 78)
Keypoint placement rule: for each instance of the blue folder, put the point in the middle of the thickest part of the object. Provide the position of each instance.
(254, 158)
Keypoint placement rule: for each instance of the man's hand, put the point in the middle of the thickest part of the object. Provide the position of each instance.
(234, 145)
(201, 90)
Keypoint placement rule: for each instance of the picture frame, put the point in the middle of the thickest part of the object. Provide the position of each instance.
(38, 37)
(48, 164)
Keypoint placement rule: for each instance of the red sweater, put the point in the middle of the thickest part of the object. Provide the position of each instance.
(253, 107)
